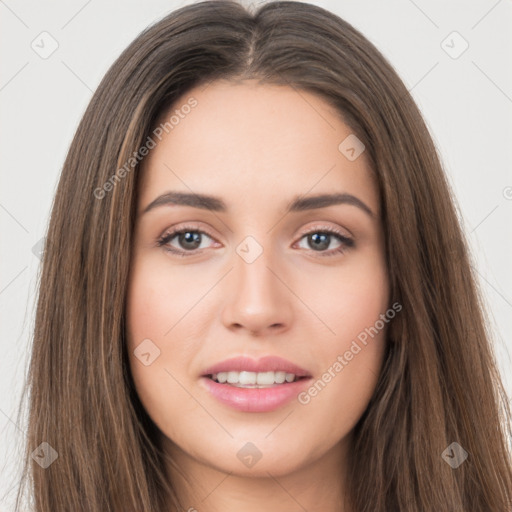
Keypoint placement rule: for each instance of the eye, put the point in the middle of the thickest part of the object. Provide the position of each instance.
(320, 238)
(190, 238)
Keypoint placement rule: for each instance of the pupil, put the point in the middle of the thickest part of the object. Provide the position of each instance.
(190, 238)
(324, 242)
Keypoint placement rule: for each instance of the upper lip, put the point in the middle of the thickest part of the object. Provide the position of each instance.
(263, 364)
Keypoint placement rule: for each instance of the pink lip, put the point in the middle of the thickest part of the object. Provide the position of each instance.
(264, 364)
(255, 399)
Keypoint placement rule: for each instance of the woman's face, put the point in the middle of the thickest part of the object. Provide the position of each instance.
(253, 277)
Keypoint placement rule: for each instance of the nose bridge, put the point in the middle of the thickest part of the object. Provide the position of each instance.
(257, 298)
(254, 258)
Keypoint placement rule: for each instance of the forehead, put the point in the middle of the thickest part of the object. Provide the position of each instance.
(250, 143)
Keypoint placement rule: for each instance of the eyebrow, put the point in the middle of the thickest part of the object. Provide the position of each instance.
(298, 204)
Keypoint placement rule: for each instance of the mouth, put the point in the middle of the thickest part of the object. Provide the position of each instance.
(250, 385)
(259, 380)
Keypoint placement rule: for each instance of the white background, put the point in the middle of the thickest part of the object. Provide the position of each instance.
(467, 104)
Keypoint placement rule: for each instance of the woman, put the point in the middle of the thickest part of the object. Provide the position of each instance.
(255, 290)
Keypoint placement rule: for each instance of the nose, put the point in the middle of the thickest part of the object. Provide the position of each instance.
(258, 300)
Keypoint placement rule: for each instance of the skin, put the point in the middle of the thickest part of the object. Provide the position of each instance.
(256, 147)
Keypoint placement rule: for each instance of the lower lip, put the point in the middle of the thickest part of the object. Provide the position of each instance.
(255, 399)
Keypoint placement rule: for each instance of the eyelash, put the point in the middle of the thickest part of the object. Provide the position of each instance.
(346, 242)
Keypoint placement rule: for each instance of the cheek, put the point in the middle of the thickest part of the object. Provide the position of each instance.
(352, 353)
(341, 391)
(160, 301)
(156, 317)
(351, 300)
(357, 306)
(167, 313)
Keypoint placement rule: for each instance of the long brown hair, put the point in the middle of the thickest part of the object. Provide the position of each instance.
(439, 383)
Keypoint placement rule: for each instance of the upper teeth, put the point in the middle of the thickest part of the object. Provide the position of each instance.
(260, 378)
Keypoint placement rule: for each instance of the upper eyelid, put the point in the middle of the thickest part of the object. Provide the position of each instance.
(303, 232)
